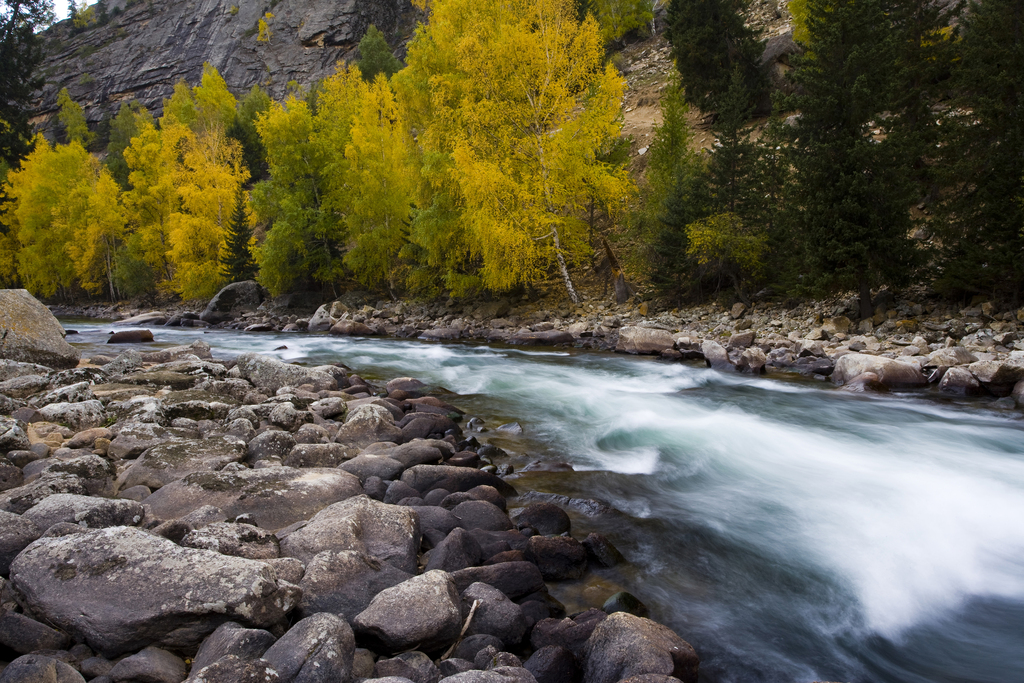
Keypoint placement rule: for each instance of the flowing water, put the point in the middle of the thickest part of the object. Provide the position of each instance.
(788, 530)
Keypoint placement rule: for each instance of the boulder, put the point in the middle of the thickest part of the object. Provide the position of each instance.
(321, 321)
(624, 645)
(12, 435)
(150, 318)
(21, 498)
(546, 519)
(39, 669)
(167, 462)
(388, 532)
(236, 540)
(571, 634)
(276, 497)
(235, 298)
(421, 613)
(959, 380)
(198, 348)
(424, 478)
(269, 374)
(120, 589)
(545, 338)
(11, 475)
(272, 443)
(553, 664)
(30, 334)
(350, 328)
(480, 514)
(317, 649)
(457, 551)
(890, 373)
(317, 455)
(232, 638)
(86, 511)
(412, 666)
(25, 635)
(1007, 372)
(130, 337)
(644, 340)
(343, 582)
(365, 466)
(234, 669)
(558, 557)
(78, 416)
(495, 614)
(136, 437)
(152, 665)
(368, 424)
(715, 355)
(950, 357)
(514, 579)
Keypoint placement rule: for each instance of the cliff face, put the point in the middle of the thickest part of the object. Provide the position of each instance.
(148, 45)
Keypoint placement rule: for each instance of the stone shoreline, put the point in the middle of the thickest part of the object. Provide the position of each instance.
(972, 351)
(168, 516)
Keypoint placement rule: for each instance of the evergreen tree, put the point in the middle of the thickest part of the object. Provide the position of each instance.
(243, 129)
(128, 123)
(709, 42)
(983, 245)
(850, 198)
(375, 55)
(21, 51)
(237, 261)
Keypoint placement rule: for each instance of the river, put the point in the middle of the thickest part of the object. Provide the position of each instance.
(789, 531)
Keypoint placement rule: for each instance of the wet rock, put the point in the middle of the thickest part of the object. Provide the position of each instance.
(441, 333)
(366, 425)
(960, 381)
(423, 478)
(601, 551)
(715, 355)
(232, 638)
(545, 338)
(644, 340)
(495, 614)
(890, 373)
(547, 518)
(86, 511)
(572, 634)
(421, 613)
(168, 462)
(39, 669)
(237, 540)
(514, 579)
(558, 557)
(624, 645)
(553, 664)
(457, 551)
(387, 532)
(151, 665)
(178, 595)
(130, 337)
(238, 297)
(275, 497)
(414, 666)
(317, 649)
(78, 416)
(407, 384)
(350, 328)
(343, 582)
(30, 334)
(268, 374)
(25, 635)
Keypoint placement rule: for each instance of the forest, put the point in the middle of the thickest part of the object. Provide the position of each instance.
(894, 154)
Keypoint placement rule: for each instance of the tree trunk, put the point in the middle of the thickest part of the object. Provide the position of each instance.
(865, 297)
(564, 269)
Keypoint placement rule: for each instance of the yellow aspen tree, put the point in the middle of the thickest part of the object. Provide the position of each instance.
(97, 239)
(382, 181)
(519, 109)
(48, 203)
(215, 105)
(72, 117)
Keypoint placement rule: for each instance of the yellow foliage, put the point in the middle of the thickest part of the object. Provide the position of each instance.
(97, 239)
(152, 159)
(264, 31)
(798, 8)
(722, 240)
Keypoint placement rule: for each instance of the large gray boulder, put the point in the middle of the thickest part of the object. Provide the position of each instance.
(78, 416)
(16, 533)
(343, 582)
(276, 497)
(368, 424)
(39, 669)
(421, 613)
(891, 373)
(238, 297)
(86, 511)
(121, 589)
(424, 478)
(269, 374)
(12, 435)
(318, 649)
(232, 638)
(495, 614)
(389, 533)
(30, 334)
(167, 462)
(644, 340)
(624, 645)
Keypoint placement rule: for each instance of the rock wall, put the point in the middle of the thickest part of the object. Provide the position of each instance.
(147, 46)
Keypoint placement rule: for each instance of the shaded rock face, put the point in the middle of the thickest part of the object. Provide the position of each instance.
(30, 334)
(236, 297)
(147, 47)
(83, 584)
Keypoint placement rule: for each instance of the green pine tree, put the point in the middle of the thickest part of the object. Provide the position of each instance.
(243, 129)
(237, 262)
(375, 55)
(709, 42)
(851, 195)
(983, 242)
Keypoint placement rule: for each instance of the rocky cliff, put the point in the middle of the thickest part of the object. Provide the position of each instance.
(145, 47)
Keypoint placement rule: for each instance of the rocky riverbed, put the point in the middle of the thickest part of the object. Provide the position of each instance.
(169, 516)
(910, 342)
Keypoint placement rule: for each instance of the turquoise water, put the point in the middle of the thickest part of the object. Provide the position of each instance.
(788, 530)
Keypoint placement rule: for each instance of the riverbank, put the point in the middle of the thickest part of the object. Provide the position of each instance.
(170, 516)
(908, 343)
